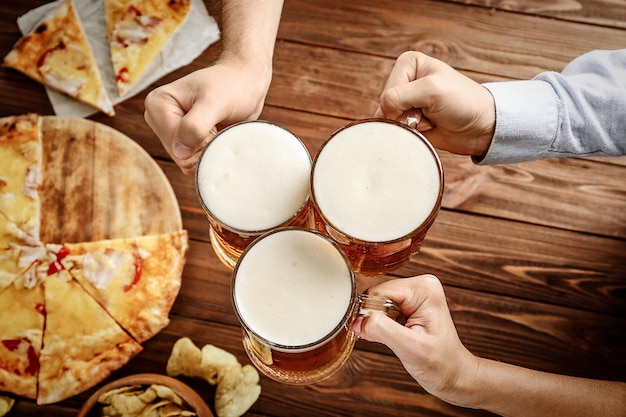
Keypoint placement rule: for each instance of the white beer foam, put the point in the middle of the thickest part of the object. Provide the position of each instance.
(376, 181)
(254, 176)
(293, 288)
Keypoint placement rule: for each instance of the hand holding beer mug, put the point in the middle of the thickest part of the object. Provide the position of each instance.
(376, 189)
(251, 178)
(294, 293)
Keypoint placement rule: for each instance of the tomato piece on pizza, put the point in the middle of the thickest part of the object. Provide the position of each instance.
(22, 317)
(56, 53)
(137, 32)
(82, 344)
(136, 280)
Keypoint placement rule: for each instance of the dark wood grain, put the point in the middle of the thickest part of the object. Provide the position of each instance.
(532, 255)
(527, 192)
(600, 12)
(99, 184)
(526, 261)
(491, 41)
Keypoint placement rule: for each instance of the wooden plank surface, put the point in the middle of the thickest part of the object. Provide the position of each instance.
(86, 193)
(527, 192)
(487, 40)
(599, 12)
(532, 255)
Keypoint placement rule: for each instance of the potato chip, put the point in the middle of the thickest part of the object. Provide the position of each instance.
(149, 412)
(106, 397)
(109, 411)
(6, 403)
(148, 395)
(143, 401)
(169, 410)
(184, 359)
(172, 410)
(237, 391)
(237, 387)
(167, 393)
(152, 409)
(216, 362)
(128, 404)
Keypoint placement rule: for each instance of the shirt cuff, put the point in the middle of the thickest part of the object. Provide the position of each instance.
(527, 115)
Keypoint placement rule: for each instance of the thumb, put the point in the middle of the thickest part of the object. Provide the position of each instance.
(195, 130)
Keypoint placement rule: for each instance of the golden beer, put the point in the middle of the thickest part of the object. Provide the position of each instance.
(294, 294)
(252, 177)
(376, 189)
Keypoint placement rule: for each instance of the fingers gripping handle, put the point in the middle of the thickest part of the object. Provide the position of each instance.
(369, 304)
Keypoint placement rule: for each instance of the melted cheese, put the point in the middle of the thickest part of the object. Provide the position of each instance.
(32, 181)
(101, 266)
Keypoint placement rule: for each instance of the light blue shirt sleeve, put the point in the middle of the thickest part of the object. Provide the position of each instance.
(578, 112)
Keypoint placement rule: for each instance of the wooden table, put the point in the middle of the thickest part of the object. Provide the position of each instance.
(532, 255)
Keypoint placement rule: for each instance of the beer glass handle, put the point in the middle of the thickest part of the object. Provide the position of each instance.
(369, 303)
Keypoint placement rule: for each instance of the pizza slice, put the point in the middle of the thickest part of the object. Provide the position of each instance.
(136, 280)
(137, 31)
(20, 179)
(22, 316)
(56, 53)
(82, 344)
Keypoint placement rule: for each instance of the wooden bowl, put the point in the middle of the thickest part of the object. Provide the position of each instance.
(188, 395)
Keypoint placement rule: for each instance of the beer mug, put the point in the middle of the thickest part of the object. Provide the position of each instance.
(294, 293)
(376, 188)
(251, 178)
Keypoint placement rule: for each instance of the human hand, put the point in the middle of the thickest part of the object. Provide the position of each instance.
(462, 111)
(427, 345)
(187, 113)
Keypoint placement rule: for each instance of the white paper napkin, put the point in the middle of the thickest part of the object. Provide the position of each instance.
(198, 32)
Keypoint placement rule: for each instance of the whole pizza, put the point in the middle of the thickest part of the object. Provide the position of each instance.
(71, 313)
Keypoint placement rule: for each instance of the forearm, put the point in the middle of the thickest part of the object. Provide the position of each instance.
(510, 390)
(249, 29)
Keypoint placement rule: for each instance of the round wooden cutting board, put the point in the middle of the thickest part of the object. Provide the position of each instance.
(100, 184)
